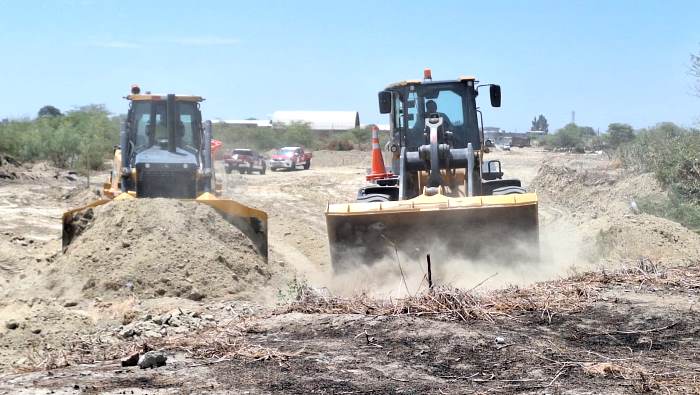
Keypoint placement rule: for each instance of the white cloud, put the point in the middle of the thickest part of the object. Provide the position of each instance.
(116, 44)
(206, 41)
(194, 41)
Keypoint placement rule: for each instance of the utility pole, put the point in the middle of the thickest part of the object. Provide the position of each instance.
(573, 116)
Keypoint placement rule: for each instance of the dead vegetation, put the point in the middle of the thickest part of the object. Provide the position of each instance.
(559, 297)
(647, 353)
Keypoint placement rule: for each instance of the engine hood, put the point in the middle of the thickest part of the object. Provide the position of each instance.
(161, 156)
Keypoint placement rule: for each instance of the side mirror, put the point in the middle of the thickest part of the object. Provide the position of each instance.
(495, 93)
(384, 102)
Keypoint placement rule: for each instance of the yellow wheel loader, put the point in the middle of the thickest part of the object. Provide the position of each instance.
(442, 197)
(165, 150)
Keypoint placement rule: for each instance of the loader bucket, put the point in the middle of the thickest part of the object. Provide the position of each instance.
(252, 222)
(75, 220)
(493, 228)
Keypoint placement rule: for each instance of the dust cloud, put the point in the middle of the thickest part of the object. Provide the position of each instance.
(561, 252)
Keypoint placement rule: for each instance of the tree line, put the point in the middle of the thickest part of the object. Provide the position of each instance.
(84, 138)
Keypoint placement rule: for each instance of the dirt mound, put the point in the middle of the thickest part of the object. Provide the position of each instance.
(161, 247)
(601, 202)
(80, 196)
(592, 188)
(10, 168)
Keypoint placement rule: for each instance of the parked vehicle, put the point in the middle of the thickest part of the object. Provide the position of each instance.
(245, 161)
(289, 158)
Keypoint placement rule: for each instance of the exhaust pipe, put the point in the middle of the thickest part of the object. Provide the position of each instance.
(124, 146)
(206, 161)
(171, 111)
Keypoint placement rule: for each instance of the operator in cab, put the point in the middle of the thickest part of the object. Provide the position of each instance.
(432, 108)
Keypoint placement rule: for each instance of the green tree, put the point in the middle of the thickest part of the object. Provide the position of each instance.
(80, 138)
(619, 133)
(298, 133)
(540, 123)
(49, 111)
(695, 71)
(572, 136)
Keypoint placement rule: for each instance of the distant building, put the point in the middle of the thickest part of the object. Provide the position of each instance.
(319, 120)
(498, 136)
(253, 123)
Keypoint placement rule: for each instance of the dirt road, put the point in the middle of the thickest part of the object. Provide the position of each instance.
(622, 330)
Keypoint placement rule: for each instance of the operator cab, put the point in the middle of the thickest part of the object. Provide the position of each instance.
(435, 131)
(164, 144)
(410, 103)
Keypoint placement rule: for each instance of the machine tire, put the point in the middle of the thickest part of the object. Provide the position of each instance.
(241, 171)
(228, 170)
(509, 190)
(307, 165)
(293, 166)
(374, 197)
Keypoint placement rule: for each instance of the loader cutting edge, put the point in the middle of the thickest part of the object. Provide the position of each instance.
(250, 221)
(492, 228)
(435, 202)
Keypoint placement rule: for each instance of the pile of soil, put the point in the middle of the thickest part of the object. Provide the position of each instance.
(161, 247)
(80, 196)
(593, 189)
(601, 202)
(10, 168)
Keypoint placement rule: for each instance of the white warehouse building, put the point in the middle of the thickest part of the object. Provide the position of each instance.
(319, 120)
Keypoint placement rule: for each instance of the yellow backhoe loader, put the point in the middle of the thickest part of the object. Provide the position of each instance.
(442, 196)
(165, 150)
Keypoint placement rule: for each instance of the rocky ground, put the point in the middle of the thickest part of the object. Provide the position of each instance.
(613, 315)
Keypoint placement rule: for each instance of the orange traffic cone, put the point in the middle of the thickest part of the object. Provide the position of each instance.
(378, 169)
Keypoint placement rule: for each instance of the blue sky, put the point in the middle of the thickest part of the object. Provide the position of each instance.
(610, 61)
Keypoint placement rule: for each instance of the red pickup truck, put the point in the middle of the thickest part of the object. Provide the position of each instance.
(289, 158)
(245, 161)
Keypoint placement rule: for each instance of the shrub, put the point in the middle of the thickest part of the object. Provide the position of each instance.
(339, 145)
(672, 153)
(297, 134)
(80, 138)
(674, 208)
(573, 137)
(618, 133)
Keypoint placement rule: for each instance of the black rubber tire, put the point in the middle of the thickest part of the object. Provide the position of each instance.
(241, 171)
(509, 190)
(374, 197)
(293, 167)
(307, 165)
(228, 170)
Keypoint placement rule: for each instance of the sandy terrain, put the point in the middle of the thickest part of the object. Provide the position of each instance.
(293, 327)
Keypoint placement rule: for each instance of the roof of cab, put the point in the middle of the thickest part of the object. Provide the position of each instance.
(155, 97)
(419, 82)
